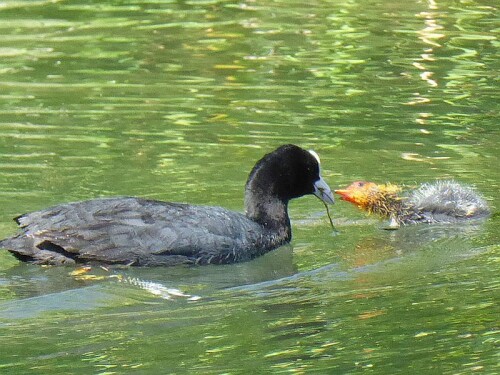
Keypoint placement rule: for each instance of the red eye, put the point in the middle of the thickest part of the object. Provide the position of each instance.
(361, 184)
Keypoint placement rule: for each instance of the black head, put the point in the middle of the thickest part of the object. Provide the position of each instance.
(286, 173)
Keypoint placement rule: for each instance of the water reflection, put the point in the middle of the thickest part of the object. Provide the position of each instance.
(22, 281)
(429, 35)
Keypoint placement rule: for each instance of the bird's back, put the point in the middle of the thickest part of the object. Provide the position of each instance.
(447, 201)
(135, 231)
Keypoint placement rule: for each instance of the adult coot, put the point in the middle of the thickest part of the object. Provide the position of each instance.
(142, 232)
(438, 202)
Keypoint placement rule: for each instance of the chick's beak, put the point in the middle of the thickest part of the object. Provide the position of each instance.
(323, 191)
(344, 193)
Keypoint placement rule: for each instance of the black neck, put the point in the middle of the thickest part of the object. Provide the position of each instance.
(269, 211)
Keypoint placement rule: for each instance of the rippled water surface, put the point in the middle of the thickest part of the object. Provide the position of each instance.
(176, 100)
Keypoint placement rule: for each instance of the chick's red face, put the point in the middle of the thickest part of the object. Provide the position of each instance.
(357, 193)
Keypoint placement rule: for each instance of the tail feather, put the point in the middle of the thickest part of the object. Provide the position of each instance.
(25, 249)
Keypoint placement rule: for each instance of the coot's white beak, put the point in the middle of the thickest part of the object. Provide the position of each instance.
(323, 191)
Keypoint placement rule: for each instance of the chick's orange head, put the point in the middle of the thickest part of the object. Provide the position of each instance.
(358, 192)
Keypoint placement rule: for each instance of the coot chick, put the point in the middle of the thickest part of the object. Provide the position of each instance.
(437, 202)
(142, 232)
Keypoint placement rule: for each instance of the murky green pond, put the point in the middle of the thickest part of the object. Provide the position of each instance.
(176, 100)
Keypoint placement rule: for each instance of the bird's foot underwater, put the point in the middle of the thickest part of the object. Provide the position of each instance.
(154, 288)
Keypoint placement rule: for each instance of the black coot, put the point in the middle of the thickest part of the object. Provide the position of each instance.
(143, 232)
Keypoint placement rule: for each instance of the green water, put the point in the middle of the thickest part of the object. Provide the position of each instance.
(176, 100)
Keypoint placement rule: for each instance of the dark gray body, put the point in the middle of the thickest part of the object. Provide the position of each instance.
(443, 202)
(138, 232)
